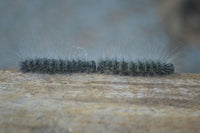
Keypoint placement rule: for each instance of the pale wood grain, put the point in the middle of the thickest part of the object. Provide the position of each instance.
(99, 103)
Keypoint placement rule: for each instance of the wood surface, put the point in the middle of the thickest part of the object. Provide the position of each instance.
(34, 103)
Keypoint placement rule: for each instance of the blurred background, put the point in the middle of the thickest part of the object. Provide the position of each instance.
(91, 29)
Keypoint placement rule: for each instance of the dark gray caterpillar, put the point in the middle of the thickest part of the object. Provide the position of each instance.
(53, 66)
(107, 66)
(139, 68)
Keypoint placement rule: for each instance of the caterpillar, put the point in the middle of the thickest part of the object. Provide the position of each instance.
(138, 68)
(53, 66)
(106, 66)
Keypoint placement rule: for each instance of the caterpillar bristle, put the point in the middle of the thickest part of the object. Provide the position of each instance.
(106, 66)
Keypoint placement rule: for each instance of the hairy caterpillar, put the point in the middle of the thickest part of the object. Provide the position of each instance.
(53, 66)
(107, 66)
(138, 68)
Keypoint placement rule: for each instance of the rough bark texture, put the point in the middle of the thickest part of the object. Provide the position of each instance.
(98, 103)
